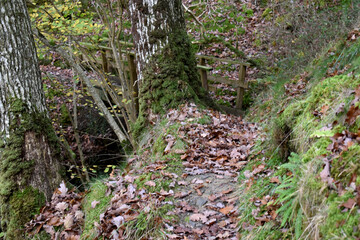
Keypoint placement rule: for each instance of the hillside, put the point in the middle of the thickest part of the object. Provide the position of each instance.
(288, 168)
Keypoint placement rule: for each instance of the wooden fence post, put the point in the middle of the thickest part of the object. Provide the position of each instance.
(104, 61)
(203, 75)
(133, 78)
(241, 88)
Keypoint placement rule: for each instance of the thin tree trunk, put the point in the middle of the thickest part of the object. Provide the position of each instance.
(29, 149)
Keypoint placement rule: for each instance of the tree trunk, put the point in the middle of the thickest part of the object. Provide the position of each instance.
(29, 149)
(166, 64)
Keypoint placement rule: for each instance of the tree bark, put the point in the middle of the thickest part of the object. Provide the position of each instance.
(166, 64)
(29, 150)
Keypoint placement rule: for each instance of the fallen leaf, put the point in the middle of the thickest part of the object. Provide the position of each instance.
(54, 221)
(227, 191)
(63, 189)
(197, 217)
(61, 206)
(68, 221)
(350, 203)
(169, 146)
(150, 184)
(226, 210)
(94, 203)
(352, 114)
(274, 180)
(223, 224)
(179, 151)
(118, 221)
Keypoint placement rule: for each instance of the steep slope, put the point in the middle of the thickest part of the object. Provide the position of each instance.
(309, 186)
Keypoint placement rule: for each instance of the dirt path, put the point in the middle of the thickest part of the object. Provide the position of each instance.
(202, 198)
(207, 202)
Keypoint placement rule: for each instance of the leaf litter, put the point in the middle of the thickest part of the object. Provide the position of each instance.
(203, 201)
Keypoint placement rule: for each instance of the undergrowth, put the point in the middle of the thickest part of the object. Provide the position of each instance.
(298, 130)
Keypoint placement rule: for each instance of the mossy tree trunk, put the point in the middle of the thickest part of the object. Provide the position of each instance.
(166, 64)
(29, 150)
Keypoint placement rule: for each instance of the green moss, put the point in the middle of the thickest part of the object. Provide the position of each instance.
(148, 224)
(267, 14)
(317, 149)
(97, 193)
(15, 173)
(298, 121)
(340, 224)
(169, 79)
(23, 205)
(346, 165)
(65, 115)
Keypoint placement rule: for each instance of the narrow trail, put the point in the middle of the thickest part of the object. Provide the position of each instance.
(207, 201)
(152, 199)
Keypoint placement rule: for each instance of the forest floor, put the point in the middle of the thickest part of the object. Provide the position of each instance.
(187, 190)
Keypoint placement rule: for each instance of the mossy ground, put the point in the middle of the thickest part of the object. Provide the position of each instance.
(149, 224)
(97, 192)
(297, 143)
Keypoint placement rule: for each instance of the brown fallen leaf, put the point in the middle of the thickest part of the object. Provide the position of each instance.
(197, 217)
(213, 197)
(54, 221)
(150, 183)
(324, 109)
(227, 191)
(173, 236)
(183, 183)
(198, 231)
(325, 173)
(223, 235)
(350, 203)
(275, 180)
(179, 151)
(226, 210)
(223, 224)
(352, 114)
(258, 169)
(182, 194)
(211, 222)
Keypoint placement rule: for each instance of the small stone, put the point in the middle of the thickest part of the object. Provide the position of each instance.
(201, 201)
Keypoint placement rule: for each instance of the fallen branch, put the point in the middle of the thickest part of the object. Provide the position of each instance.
(78, 69)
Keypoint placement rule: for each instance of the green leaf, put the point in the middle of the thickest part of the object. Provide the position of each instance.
(298, 224)
(286, 215)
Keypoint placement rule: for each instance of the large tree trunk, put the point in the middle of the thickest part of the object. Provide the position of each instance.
(166, 64)
(29, 167)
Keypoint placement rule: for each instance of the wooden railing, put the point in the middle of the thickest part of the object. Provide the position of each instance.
(241, 85)
(107, 63)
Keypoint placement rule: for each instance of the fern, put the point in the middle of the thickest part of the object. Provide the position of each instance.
(298, 223)
(290, 211)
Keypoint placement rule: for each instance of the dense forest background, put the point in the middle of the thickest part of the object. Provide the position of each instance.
(178, 119)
